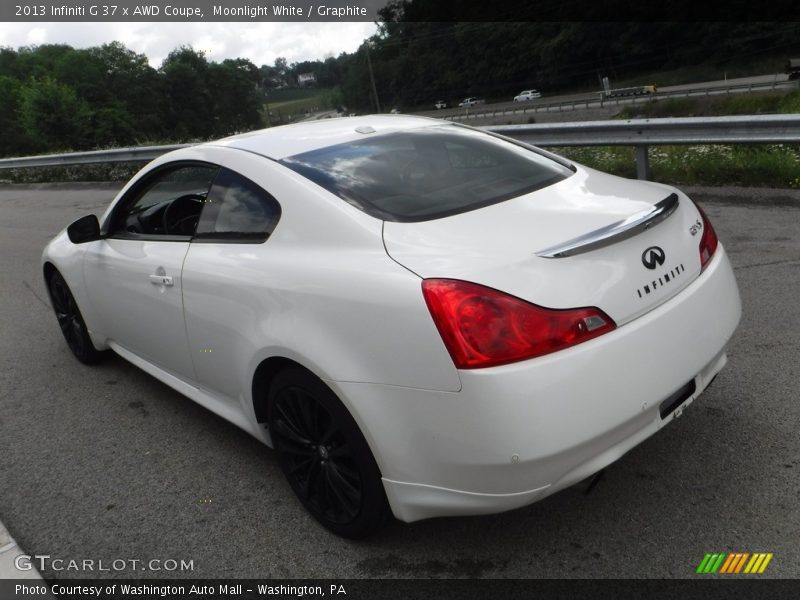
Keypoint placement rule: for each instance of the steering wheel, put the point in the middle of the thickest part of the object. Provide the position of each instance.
(186, 224)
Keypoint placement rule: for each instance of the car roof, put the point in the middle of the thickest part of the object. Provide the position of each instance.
(289, 140)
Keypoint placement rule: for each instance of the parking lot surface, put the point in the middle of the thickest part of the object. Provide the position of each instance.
(107, 463)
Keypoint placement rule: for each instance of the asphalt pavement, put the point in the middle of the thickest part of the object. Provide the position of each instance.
(105, 463)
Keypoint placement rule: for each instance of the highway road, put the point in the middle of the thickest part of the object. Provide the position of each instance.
(591, 100)
(107, 463)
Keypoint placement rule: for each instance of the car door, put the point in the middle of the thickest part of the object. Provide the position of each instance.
(134, 272)
(224, 281)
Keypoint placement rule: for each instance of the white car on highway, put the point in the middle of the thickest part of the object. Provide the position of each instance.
(471, 101)
(526, 95)
(423, 319)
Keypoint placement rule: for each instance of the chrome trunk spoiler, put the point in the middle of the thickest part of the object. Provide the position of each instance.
(616, 232)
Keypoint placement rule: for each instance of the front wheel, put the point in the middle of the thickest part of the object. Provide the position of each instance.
(71, 321)
(324, 455)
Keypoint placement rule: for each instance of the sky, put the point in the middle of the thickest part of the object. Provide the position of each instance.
(262, 43)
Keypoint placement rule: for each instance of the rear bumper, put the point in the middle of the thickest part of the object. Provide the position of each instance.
(517, 433)
(412, 502)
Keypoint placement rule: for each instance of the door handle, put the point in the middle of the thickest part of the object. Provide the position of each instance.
(164, 280)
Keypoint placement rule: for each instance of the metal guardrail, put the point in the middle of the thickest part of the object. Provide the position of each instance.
(643, 133)
(139, 153)
(640, 133)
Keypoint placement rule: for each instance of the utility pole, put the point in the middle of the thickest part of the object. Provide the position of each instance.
(372, 79)
(266, 102)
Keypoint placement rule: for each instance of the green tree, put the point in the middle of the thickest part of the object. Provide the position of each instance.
(39, 61)
(236, 101)
(135, 89)
(52, 115)
(282, 68)
(12, 140)
(84, 72)
(187, 110)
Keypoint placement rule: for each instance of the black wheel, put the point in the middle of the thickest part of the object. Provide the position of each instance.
(324, 455)
(71, 321)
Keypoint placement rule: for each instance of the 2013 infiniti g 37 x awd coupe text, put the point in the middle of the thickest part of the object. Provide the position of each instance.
(421, 318)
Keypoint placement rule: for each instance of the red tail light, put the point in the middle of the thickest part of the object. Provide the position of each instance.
(482, 327)
(708, 241)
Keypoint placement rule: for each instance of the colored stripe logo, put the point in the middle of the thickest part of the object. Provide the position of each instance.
(734, 563)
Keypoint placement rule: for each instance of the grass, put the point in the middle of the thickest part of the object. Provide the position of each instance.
(772, 165)
(778, 102)
(765, 165)
(292, 94)
(288, 105)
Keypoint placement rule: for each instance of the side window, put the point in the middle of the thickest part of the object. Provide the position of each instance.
(168, 204)
(237, 210)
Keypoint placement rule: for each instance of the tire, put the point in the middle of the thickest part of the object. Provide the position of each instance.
(71, 321)
(324, 455)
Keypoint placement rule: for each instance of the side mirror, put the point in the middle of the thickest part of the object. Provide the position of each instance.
(85, 229)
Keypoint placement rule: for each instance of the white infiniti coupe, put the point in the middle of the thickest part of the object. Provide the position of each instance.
(421, 318)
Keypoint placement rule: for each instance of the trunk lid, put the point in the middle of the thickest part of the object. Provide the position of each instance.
(503, 245)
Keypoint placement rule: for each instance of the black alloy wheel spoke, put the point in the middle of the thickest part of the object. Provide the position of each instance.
(302, 451)
(323, 491)
(349, 497)
(58, 297)
(316, 487)
(330, 431)
(295, 410)
(302, 465)
(284, 429)
(341, 498)
(306, 412)
(77, 337)
(290, 429)
(342, 451)
(314, 419)
(300, 405)
(346, 472)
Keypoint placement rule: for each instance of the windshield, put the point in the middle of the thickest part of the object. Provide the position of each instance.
(427, 173)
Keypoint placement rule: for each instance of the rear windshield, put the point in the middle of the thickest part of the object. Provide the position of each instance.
(427, 173)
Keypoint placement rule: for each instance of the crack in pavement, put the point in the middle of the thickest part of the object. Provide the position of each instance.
(27, 285)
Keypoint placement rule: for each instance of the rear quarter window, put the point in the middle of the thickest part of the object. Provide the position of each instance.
(237, 209)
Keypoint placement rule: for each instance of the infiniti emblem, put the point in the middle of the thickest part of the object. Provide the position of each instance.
(653, 257)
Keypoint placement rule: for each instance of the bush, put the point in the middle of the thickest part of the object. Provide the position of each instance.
(97, 172)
